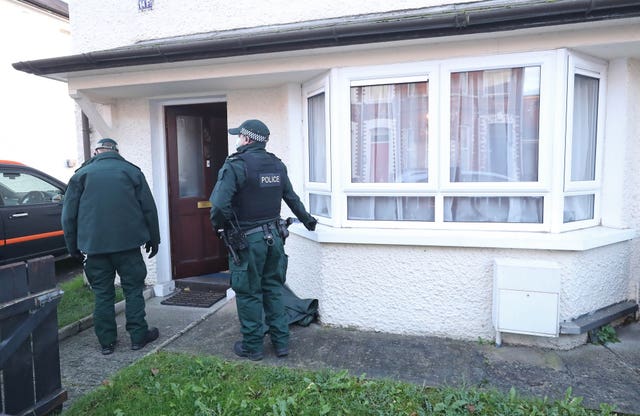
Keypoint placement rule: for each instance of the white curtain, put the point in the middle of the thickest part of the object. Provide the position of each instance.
(389, 138)
(585, 118)
(389, 144)
(583, 146)
(390, 208)
(578, 208)
(317, 139)
(494, 119)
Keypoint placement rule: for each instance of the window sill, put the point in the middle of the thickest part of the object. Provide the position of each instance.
(579, 240)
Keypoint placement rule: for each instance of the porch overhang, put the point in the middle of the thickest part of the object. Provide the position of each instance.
(449, 20)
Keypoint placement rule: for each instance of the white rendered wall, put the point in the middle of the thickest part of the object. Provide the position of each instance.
(438, 291)
(621, 179)
(631, 178)
(38, 122)
(121, 23)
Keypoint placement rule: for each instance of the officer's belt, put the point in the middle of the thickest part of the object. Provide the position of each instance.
(260, 228)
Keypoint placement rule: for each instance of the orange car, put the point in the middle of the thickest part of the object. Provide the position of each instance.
(30, 209)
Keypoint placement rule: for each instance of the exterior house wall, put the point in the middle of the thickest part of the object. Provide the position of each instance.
(121, 23)
(443, 291)
(401, 288)
(631, 181)
(38, 126)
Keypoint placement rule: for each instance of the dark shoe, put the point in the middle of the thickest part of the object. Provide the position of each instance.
(151, 335)
(238, 348)
(108, 349)
(282, 352)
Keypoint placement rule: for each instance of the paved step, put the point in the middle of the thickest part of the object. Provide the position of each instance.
(210, 282)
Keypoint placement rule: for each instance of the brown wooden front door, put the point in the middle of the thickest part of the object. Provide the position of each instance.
(196, 149)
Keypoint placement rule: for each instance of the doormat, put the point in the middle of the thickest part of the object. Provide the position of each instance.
(195, 298)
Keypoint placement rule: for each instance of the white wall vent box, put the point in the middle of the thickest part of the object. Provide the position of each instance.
(526, 297)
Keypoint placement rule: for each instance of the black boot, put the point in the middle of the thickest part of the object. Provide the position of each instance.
(151, 335)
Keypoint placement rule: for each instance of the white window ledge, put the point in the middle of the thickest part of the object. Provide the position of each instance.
(578, 240)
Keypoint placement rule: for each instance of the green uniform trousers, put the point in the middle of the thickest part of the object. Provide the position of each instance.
(101, 272)
(258, 281)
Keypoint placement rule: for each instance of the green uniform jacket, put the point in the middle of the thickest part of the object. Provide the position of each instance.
(232, 177)
(108, 207)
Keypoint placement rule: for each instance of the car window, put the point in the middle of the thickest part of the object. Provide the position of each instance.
(19, 188)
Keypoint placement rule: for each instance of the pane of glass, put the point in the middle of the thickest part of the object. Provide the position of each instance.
(493, 209)
(317, 139)
(24, 189)
(389, 133)
(494, 125)
(585, 124)
(190, 159)
(578, 208)
(320, 205)
(389, 208)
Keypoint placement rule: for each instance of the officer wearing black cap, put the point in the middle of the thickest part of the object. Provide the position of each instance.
(108, 214)
(251, 185)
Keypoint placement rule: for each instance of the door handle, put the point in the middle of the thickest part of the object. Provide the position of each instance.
(19, 215)
(204, 204)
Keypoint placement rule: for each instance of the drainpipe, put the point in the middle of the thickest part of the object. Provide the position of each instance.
(86, 137)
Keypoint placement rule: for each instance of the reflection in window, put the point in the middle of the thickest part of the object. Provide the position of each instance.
(578, 208)
(385, 208)
(494, 125)
(18, 188)
(494, 209)
(317, 139)
(585, 124)
(190, 172)
(389, 133)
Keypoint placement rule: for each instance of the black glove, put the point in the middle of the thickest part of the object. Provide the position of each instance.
(153, 247)
(77, 255)
(311, 225)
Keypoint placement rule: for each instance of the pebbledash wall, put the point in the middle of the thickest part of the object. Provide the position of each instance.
(428, 289)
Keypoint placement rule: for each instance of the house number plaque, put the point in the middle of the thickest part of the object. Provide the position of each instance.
(144, 5)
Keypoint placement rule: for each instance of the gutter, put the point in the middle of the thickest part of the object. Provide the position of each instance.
(57, 7)
(449, 20)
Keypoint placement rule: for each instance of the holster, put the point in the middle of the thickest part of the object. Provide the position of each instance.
(282, 225)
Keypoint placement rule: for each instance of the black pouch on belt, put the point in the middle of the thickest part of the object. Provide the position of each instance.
(237, 239)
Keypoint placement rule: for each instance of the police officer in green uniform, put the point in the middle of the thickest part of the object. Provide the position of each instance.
(251, 185)
(107, 215)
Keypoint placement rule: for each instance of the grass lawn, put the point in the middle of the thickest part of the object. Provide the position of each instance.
(180, 384)
(77, 301)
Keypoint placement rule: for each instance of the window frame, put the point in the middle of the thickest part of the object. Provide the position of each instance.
(578, 64)
(555, 68)
(345, 78)
(319, 85)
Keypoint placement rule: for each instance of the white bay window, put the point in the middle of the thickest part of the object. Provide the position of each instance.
(460, 144)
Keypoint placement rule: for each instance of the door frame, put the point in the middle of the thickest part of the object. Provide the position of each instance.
(162, 271)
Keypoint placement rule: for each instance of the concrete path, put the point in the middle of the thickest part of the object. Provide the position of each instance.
(599, 374)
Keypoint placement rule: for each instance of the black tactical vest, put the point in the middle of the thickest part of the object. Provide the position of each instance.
(259, 199)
